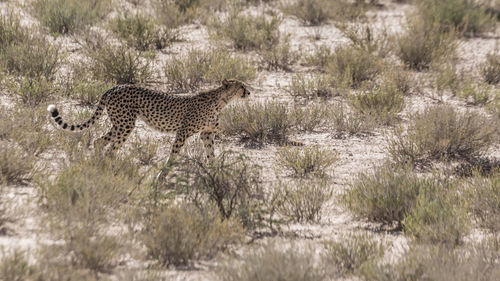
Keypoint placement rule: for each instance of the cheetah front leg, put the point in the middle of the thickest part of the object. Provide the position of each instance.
(208, 140)
(180, 139)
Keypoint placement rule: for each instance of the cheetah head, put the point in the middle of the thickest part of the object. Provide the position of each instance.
(236, 85)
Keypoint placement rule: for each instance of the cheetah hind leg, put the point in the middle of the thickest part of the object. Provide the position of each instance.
(180, 139)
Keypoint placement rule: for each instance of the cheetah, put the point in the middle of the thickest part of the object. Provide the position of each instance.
(184, 114)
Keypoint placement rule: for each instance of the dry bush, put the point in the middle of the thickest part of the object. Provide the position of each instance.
(14, 266)
(382, 105)
(271, 262)
(349, 123)
(310, 161)
(26, 127)
(117, 64)
(422, 45)
(441, 133)
(311, 87)
(349, 255)
(312, 118)
(69, 16)
(351, 67)
(248, 32)
(490, 69)
(16, 167)
(279, 56)
(184, 232)
(319, 12)
(423, 262)
(303, 200)
(141, 32)
(199, 68)
(259, 123)
(363, 37)
(82, 87)
(145, 150)
(485, 200)
(319, 58)
(232, 183)
(467, 16)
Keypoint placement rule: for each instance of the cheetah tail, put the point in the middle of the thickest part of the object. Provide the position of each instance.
(52, 109)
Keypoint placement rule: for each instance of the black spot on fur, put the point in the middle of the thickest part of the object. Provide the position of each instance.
(65, 126)
(58, 119)
(55, 113)
(72, 127)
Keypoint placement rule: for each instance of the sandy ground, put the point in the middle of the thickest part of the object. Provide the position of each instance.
(357, 154)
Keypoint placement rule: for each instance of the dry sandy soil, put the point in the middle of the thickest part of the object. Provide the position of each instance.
(357, 154)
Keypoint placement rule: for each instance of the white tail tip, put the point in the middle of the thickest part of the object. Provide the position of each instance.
(51, 108)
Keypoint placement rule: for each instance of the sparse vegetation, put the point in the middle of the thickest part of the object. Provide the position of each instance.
(381, 105)
(69, 16)
(141, 32)
(249, 32)
(304, 200)
(258, 123)
(16, 167)
(349, 123)
(423, 44)
(351, 67)
(318, 12)
(306, 162)
(485, 200)
(271, 262)
(184, 232)
(467, 16)
(490, 69)
(441, 133)
(317, 86)
(350, 254)
(199, 68)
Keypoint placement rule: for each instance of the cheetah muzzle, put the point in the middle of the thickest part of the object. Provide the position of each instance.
(185, 115)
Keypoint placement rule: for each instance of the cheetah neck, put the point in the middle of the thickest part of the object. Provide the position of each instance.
(226, 96)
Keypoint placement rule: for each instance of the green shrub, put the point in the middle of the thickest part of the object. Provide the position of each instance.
(304, 200)
(351, 253)
(141, 32)
(422, 44)
(351, 67)
(258, 123)
(199, 68)
(11, 31)
(249, 32)
(84, 89)
(439, 216)
(68, 16)
(316, 86)
(382, 105)
(490, 69)
(441, 133)
(118, 64)
(271, 262)
(475, 94)
(485, 200)
(385, 195)
(182, 232)
(305, 161)
(16, 167)
(464, 15)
